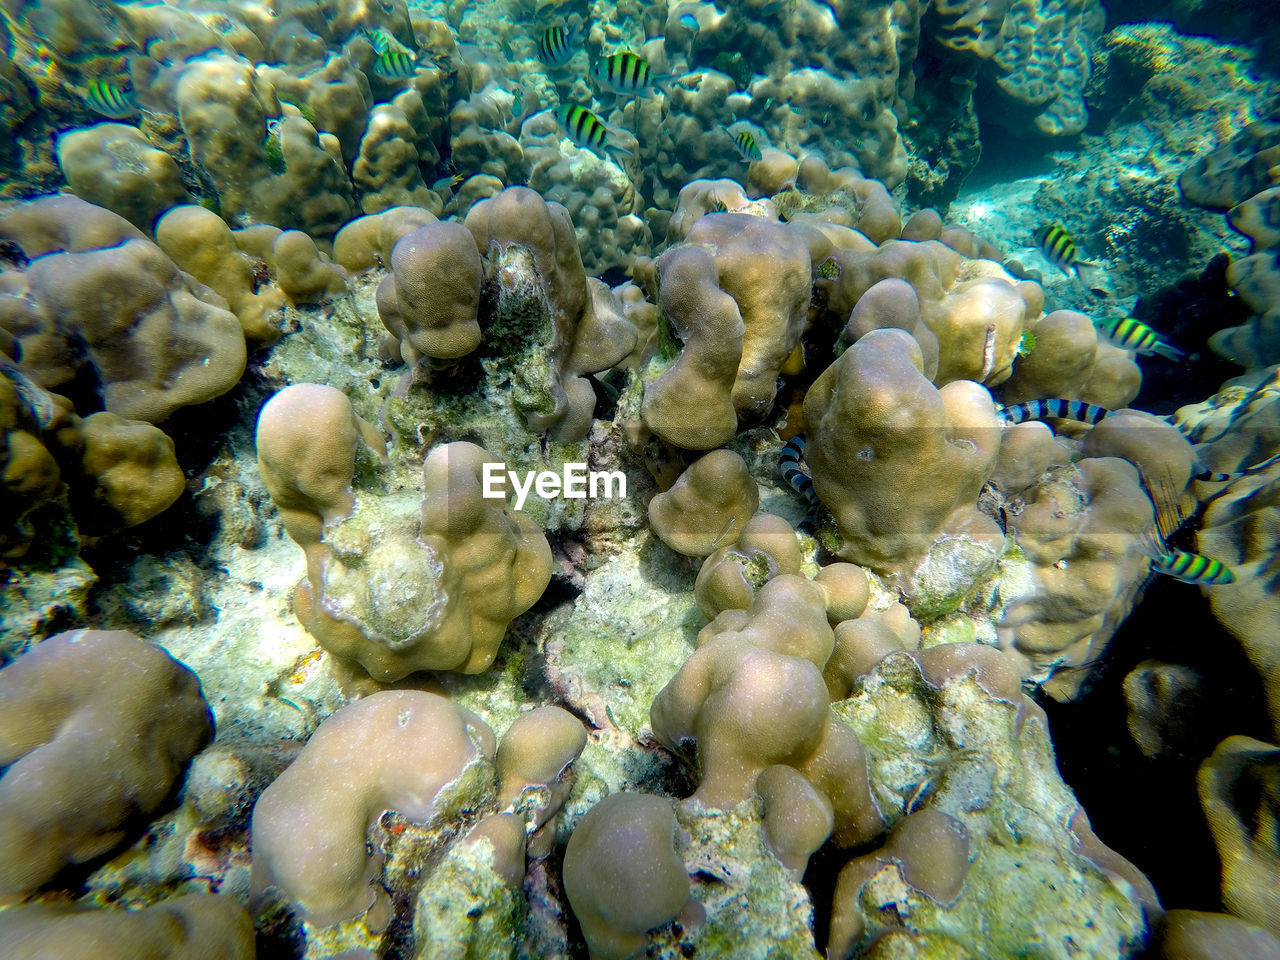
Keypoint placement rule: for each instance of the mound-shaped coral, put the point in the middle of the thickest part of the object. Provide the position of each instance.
(396, 583)
(96, 729)
(878, 428)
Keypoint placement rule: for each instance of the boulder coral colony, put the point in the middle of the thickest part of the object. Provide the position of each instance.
(285, 290)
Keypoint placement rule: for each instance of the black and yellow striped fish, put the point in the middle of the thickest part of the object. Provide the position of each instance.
(1053, 408)
(382, 41)
(1130, 334)
(106, 98)
(585, 129)
(745, 142)
(1057, 246)
(623, 73)
(556, 44)
(1192, 568)
(395, 65)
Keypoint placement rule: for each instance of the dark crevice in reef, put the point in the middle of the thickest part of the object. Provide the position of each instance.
(1009, 154)
(182, 538)
(1147, 809)
(1187, 314)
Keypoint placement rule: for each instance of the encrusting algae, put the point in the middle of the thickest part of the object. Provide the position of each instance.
(491, 480)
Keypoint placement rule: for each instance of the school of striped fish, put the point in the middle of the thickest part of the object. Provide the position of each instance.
(627, 75)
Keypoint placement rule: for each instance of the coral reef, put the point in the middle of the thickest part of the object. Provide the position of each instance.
(564, 324)
(398, 750)
(435, 594)
(186, 927)
(162, 342)
(98, 727)
(1237, 175)
(877, 425)
(622, 873)
(603, 509)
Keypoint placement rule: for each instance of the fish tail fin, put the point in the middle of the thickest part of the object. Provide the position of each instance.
(1093, 276)
(1169, 351)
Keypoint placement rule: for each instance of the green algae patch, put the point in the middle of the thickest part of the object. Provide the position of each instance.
(956, 628)
(467, 911)
(950, 577)
(625, 636)
(530, 394)
(987, 763)
(755, 909)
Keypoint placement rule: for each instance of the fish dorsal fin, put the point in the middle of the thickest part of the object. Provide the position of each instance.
(1166, 496)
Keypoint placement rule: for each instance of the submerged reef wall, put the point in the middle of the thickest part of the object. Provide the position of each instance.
(387, 574)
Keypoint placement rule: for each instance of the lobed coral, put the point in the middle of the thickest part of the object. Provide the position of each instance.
(825, 707)
(876, 425)
(438, 592)
(405, 750)
(97, 730)
(563, 324)
(1236, 175)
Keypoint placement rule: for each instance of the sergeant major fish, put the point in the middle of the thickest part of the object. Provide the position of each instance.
(395, 65)
(1192, 568)
(382, 41)
(1130, 334)
(556, 44)
(625, 74)
(585, 129)
(745, 143)
(1057, 246)
(106, 98)
(1059, 249)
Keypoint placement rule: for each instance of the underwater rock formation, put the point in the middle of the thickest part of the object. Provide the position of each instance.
(396, 583)
(769, 688)
(98, 728)
(877, 426)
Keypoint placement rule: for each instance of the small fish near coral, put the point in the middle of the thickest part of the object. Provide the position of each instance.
(1130, 334)
(585, 129)
(557, 44)
(395, 65)
(624, 74)
(744, 142)
(382, 42)
(1053, 408)
(1192, 568)
(1058, 247)
(106, 98)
